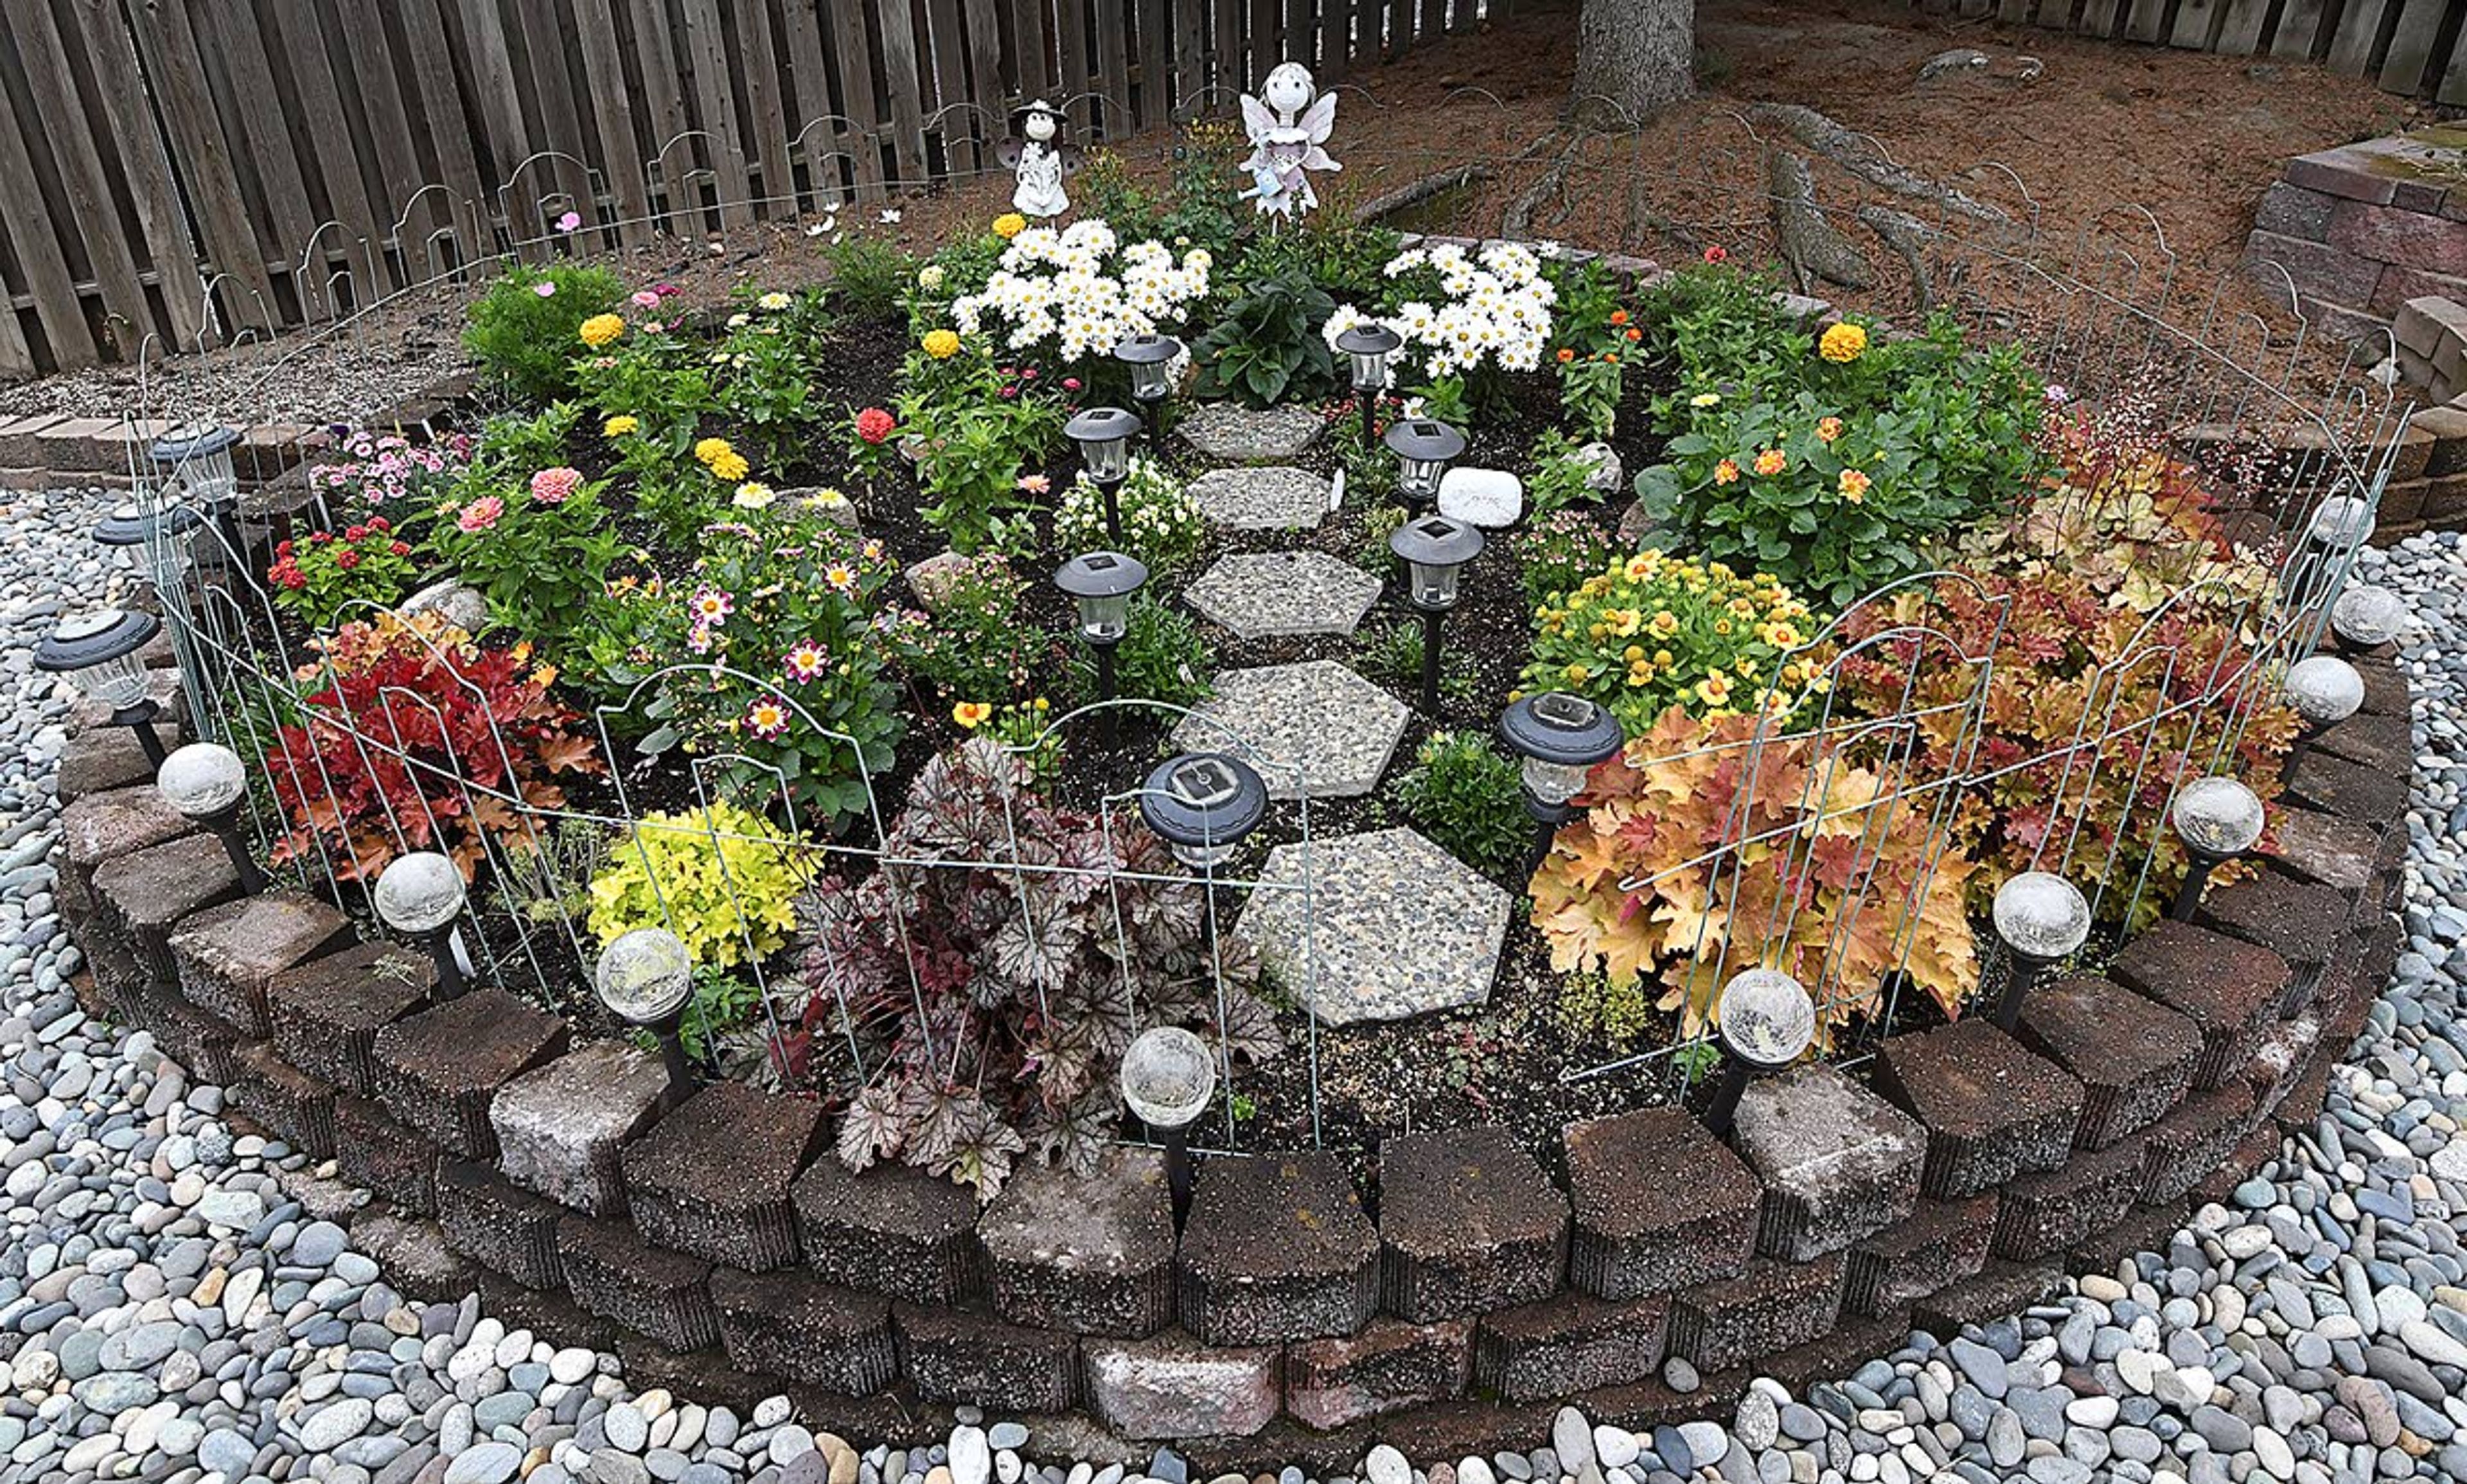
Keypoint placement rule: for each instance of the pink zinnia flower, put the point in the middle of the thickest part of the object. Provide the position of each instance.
(647, 299)
(569, 221)
(546, 288)
(1034, 483)
(551, 486)
(480, 514)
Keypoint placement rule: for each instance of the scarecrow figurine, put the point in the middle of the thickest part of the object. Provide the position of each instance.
(1039, 163)
(1288, 123)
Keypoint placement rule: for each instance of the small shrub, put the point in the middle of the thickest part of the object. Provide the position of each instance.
(869, 276)
(1163, 657)
(1162, 525)
(322, 574)
(722, 878)
(1268, 349)
(525, 331)
(1654, 632)
(1558, 551)
(976, 647)
(1590, 1006)
(536, 546)
(1562, 476)
(1467, 795)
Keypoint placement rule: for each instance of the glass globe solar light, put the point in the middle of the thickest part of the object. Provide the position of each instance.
(419, 895)
(2218, 818)
(1366, 348)
(196, 458)
(206, 783)
(2342, 523)
(1102, 583)
(1434, 550)
(1167, 1078)
(98, 651)
(1149, 358)
(646, 978)
(1768, 1021)
(133, 533)
(2338, 526)
(2367, 616)
(1203, 805)
(1104, 436)
(1424, 447)
(2042, 919)
(1557, 738)
(2323, 690)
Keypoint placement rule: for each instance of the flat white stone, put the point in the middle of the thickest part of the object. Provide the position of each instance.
(1489, 498)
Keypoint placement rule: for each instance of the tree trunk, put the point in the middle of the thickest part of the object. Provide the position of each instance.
(1634, 58)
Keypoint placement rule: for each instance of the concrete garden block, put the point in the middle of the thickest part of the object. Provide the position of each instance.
(147, 895)
(2322, 849)
(1941, 1242)
(891, 1229)
(2227, 988)
(1837, 1160)
(1567, 1343)
(560, 1126)
(617, 1275)
(2387, 689)
(295, 1106)
(958, 1358)
(713, 1177)
(1390, 1365)
(1468, 1223)
(1171, 1387)
(2043, 1215)
(437, 1070)
(1768, 1308)
(2197, 1138)
(2001, 1290)
(498, 1226)
(2325, 782)
(229, 954)
(787, 1324)
(2378, 741)
(1991, 1109)
(325, 1014)
(2133, 1056)
(373, 1150)
(102, 759)
(1660, 1204)
(2298, 921)
(1277, 1248)
(412, 1252)
(1092, 1254)
(105, 826)
(198, 1041)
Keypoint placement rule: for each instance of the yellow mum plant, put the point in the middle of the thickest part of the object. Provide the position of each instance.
(1843, 343)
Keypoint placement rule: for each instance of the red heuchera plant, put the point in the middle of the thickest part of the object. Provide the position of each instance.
(1029, 992)
(411, 726)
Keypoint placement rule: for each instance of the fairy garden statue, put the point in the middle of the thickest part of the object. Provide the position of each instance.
(1288, 124)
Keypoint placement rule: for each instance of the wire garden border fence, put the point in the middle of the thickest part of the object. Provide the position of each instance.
(2283, 430)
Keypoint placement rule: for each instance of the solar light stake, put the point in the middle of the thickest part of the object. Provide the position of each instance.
(1768, 1021)
(1104, 436)
(1367, 347)
(1167, 1078)
(646, 978)
(1103, 583)
(2042, 919)
(1558, 737)
(97, 652)
(1423, 447)
(1435, 550)
(2218, 818)
(206, 782)
(419, 895)
(2323, 692)
(1149, 358)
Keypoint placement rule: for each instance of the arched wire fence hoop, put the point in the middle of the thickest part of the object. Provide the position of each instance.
(2104, 309)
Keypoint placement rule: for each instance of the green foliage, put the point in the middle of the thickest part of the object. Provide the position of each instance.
(1343, 255)
(765, 364)
(1162, 525)
(1379, 521)
(1560, 472)
(1463, 793)
(869, 276)
(977, 646)
(526, 340)
(1593, 340)
(974, 444)
(1393, 651)
(722, 878)
(1721, 327)
(537, 546)
(1557, 551)
(1163, 657)
(1268, 349)
(1616, 1013)
(722, 1002)
(326, 574)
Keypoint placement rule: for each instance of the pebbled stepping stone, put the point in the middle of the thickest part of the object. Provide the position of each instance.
(1229, 432)
(1272, 595)
(1397, 927)
(1275, 497)
(1314, 728)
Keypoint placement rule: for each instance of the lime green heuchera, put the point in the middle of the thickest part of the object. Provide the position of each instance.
(722, 878)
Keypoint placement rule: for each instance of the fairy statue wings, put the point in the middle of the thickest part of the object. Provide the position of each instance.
(1285, 148)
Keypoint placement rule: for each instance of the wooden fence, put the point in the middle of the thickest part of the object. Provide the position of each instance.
(185, 169)
(2404, 46)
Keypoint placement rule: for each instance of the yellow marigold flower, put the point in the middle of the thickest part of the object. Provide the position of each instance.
(601, 328)
(1854, 487)
(1633, 654)
(971, 714)
(1771, 462)
(942, 343)
(1009, 225)
(1843, 344)
(1720, 570)
(620, 426)
(1829, 428)
(730, 467)
(1726, 473)
(710, 450)
(1722, 626)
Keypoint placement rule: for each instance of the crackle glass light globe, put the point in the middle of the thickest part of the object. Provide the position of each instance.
(201, 779)
(2325, 690)
(2368, 617)
(1167, 1077)
(418, 892)
(644, 975)
(1768, 1019)
(2343, 521)
(2040, 915)
(2218, 818)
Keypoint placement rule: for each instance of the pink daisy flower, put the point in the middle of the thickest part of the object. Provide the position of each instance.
(711, 605)
(766, 718)
(807, 662)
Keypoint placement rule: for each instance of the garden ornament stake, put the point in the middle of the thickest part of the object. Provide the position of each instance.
(206, 782)
(1203, 804)
(1167, 1078)
(419, 895)
(2366, 617)
(1288, 126)
(97, 652)
(1102, 583)
(1368, 346)
(1424, 447)
(1104, 436)
(646, 978)
(1434, 550)
(2323, 690)
(1149, 358)
(2218, 818)
(2042, 919)
(1039, 161)
(1768, 1021)
(1559, 738)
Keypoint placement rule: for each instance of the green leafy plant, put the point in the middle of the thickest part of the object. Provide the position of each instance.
(869, 276)
(1393, 651)
(1162, 525)
(722, 1003)
(321, 575)
(1463, 793)
(1562, 476)
(976, 647)
(1589, 1004)
(539, 549)
(1268, 349)
(1162, 657)
(1655, 632)
(765, 366)
(972, 439)
(1595, 340)
(1379, 521)
(722, 878)
(525, 331)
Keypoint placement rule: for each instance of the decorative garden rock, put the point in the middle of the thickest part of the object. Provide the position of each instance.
(933, 579)
(1273, 497)
(1288, 124)
(1401, 927)
(1603, 470)
(1489, 498)
(824, 503)
(1313, 727)
(1230, 432)
(457, 603)
(1276, 595)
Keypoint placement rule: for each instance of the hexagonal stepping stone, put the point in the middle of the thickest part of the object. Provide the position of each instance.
(1272, 496)
(1277, 594)
(1314, 728)
(1230, 433)
(1397, 927)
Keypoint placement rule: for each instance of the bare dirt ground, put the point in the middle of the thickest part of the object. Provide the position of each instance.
(2192, 138)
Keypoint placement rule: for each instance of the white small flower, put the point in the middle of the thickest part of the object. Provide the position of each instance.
(891, 217)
